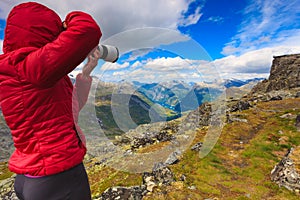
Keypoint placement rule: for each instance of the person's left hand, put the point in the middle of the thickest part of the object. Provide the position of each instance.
(93, 58)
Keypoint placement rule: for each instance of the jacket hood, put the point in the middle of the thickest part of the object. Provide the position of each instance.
(30, 25)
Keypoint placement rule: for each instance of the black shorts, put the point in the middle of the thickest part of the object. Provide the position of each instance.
(69, 185)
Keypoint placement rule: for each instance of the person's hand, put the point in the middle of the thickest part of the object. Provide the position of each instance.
(64, 24)
(93, 58)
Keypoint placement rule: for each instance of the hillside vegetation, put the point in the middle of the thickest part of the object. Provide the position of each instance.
(238, 167)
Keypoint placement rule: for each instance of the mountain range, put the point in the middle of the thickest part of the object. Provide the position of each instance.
(161, 101)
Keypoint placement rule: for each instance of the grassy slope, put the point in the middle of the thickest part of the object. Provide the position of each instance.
(233, 170)
(238, 167)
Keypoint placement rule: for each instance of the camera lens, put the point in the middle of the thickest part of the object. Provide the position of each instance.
(109, 53)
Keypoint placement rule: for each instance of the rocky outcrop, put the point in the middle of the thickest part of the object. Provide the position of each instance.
(273, 95)
(160, 175)
(147, 134)
(204, 113)
(286, 172)
(130, 193)
(240, 106)
(283, 83)
(284, 75)
(7, 191)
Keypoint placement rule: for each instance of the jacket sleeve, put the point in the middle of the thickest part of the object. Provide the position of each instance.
(45, 66)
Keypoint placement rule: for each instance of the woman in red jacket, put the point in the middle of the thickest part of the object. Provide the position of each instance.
(39, 102)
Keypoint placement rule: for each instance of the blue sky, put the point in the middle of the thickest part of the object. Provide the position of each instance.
(194, 40)
(219, 22)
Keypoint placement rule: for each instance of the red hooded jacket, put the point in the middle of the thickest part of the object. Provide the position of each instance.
(35, 91)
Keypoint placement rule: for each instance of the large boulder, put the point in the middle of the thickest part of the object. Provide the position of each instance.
(7, 191)
(286, 172)
(284, 75)
(160, 175)
(130, 193)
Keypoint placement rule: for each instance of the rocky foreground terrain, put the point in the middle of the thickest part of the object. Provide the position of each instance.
(257, 155)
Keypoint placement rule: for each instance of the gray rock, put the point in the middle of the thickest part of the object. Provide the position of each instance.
(124, 193)
(240, 106)
(173, 158)
(182, 177)
(158, 166)
(197, 146)
(148, 134)
(161, 174)
(288, 116)
(7, 191)
(285, 174)
(235, 118)
(192, 187)
(276, 98)
(298, 122)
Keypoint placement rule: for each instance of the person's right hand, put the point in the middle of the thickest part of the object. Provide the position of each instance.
(93, 58)
(64, 24)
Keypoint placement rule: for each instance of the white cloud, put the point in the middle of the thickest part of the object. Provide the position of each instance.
(165, 69)
(244, 76)
(191, 19)
(138, 53)
(263, 25)
(179, 68)
(136, 64)
(122, 73)
(230, 49)
(252, 64)
(115, 16)
(114, 66)
(216, 19)
(267, 30)
(167, 64)
(288, 38)
(130, 24)
(127, 24)
(142, 40)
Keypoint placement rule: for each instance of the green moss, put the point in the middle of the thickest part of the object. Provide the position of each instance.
(5, 173)
(101, 178)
